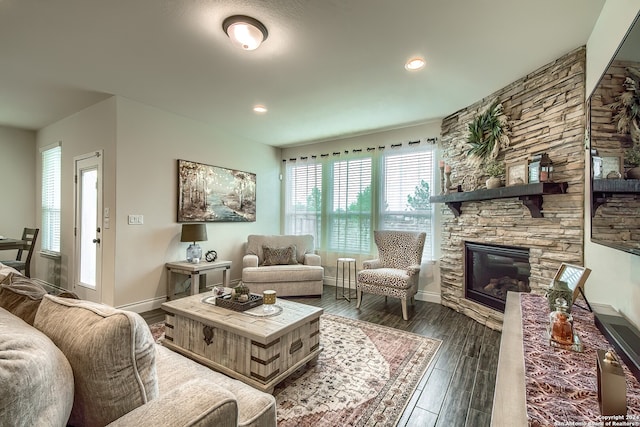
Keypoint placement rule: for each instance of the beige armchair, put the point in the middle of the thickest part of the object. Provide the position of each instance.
(396, 270)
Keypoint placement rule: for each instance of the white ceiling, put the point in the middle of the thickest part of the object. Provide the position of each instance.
(329, 68)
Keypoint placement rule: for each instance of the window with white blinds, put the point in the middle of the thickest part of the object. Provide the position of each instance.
(349, 218)
(342, 200)
(51, 172)
(406, 183)
(303, 199)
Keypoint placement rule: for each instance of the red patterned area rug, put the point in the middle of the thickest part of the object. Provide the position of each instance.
(157, 330)
(365, 376)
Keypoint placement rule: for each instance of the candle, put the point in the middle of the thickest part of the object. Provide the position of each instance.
(441, 164)
(447, 168)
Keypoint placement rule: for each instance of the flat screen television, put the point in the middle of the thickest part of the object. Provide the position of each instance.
(614, 133)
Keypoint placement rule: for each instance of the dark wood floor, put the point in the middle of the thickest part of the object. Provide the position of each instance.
(457, 389)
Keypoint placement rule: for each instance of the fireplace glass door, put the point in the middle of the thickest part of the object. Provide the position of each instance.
(492, 271)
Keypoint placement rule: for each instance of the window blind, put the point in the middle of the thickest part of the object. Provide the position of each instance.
(303, 200)
(349, 218)
(51, 173)
(407, 183)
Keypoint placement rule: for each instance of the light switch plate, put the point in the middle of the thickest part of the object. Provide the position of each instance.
(136, 219)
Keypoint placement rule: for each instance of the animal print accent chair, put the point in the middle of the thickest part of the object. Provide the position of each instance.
(396, 270)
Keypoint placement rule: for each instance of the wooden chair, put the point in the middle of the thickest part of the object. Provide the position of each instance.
(29, 235)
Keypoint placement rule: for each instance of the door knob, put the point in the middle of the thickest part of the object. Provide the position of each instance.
(96, 240)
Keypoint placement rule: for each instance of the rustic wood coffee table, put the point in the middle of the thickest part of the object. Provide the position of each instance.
(260, 351)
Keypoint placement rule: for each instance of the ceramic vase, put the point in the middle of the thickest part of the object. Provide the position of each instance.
(634, 173)
(493, 182)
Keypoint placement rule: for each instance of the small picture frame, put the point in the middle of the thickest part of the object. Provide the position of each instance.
(596, 167)
(575, 276)
(517, 173)
(612, 162)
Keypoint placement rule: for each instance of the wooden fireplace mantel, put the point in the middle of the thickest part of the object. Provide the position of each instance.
(529, 194)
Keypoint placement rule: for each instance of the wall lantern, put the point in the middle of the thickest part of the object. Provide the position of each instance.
(540, 168)
(546, 168)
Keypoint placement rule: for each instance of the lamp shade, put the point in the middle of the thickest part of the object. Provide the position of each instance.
(193, 233)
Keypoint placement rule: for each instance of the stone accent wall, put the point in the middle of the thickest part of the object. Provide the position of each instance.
(547, 114)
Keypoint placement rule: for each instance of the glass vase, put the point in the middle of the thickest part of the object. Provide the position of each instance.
(561, 323)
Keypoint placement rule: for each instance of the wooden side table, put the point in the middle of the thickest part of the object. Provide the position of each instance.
(348, 263)
(194, 271)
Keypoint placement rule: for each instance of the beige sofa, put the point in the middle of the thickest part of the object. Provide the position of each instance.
(284, 263)
(87, 364)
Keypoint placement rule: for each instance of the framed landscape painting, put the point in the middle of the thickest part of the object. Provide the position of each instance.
(213, 194)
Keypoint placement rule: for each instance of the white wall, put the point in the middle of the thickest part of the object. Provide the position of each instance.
(17, 177)
(149, 143)
(615, 276)
(429, 285)
(86, 131)
(141, 145)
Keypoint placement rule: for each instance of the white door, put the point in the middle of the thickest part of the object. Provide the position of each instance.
(88, 226)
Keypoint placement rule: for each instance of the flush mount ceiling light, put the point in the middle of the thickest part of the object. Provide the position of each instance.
(260, 109)
(245, 32)
(414, 64)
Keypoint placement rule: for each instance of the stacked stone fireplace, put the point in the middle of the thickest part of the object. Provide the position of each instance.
(547, 114)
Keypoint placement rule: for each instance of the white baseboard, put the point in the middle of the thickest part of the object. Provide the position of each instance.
(420, 296)
(144, 306)
(155, 303)
(429, 297)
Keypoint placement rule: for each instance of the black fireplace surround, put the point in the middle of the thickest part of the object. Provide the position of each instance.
(490, 271)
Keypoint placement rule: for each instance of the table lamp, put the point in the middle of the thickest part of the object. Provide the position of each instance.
(194, 233)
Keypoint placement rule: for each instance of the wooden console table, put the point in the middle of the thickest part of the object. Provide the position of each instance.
(537, 384)
(194, 271)
(509, 401)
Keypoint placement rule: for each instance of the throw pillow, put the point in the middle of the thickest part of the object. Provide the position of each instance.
(279, 256)
(36, 378)
(21, 297)
(6, 271)
(111, 352)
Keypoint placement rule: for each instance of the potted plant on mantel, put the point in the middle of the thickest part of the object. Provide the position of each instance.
(495, 170)
(632, 158)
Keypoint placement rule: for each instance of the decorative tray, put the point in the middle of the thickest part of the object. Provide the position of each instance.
(227, 302)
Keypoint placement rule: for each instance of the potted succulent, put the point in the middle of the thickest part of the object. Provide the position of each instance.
(632, 158)
(495, 170)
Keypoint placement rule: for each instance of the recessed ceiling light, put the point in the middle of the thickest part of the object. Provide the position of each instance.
(260, 109)
(414, 64)
(245, 32)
